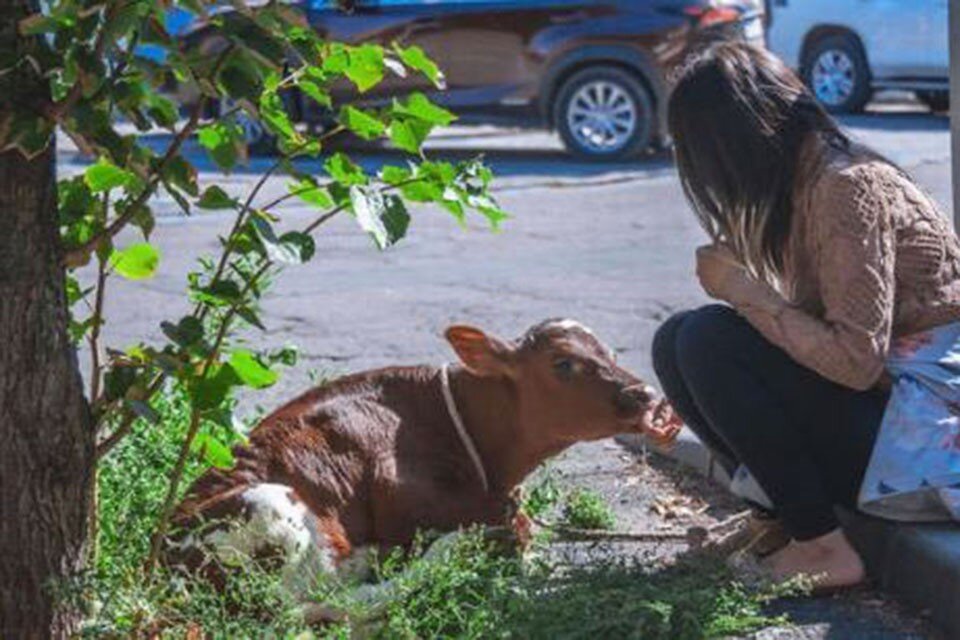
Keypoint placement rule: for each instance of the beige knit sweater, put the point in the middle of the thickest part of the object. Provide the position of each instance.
(870, 258)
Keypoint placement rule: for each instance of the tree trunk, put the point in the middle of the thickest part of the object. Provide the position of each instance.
(46, 437)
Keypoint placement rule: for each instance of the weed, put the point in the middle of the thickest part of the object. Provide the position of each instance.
(586, 509)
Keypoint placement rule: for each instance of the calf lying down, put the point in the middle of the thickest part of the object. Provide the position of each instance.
(369, 459)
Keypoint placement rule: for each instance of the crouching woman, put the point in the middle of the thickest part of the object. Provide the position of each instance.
(824, 253)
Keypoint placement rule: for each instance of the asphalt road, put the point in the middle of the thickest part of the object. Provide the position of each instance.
(609, 245)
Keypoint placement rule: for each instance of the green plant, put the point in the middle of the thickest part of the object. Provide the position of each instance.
(89, 56)
(586, 509)
(542, 495)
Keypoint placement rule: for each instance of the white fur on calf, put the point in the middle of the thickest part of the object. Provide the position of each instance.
(278, 522)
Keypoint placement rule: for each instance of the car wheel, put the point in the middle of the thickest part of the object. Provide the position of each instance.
(836, 70)
(938, 101)
(604, 113)
(259, 141)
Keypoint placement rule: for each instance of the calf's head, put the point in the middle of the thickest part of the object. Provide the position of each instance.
(565, 383)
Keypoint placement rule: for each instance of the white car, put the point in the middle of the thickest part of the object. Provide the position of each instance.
(847, 49)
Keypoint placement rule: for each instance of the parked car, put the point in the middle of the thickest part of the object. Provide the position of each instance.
(847, 49)
(593, 70)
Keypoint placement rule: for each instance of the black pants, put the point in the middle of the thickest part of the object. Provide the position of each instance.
(805, 439)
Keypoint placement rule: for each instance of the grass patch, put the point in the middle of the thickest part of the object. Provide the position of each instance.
(468, 590)
(586, 509)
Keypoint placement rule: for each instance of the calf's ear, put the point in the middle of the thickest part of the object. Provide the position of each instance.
(481, 354)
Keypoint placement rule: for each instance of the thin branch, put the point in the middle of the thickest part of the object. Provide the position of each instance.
(170, 499)
(199, 310)
(94, 340)
(76, 255)
(59, 109)
(128, 419)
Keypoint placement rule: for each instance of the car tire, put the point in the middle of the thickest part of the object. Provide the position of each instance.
(836, 70)
(617, 126)
(938, 101)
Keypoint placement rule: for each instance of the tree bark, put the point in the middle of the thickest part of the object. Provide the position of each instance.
(46, 436)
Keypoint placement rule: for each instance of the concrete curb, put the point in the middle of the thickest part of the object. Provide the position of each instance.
(917, 563)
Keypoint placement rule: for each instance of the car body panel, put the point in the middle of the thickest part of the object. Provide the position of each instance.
(902, 39)
(509, 54)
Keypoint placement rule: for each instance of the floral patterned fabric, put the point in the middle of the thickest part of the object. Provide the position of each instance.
(914, 471)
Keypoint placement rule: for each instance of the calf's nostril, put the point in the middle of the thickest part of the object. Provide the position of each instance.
(633, 399)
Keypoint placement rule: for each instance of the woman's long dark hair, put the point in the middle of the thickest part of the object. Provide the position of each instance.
(739, 117)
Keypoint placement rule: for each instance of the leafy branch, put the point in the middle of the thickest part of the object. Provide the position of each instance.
(265, 59)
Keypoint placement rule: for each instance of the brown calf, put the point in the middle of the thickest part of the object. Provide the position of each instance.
(369, 459)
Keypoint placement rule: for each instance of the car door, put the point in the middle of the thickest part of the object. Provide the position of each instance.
(905, 38)
(482, 46)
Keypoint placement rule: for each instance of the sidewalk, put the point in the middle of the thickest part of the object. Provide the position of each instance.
(919, 564)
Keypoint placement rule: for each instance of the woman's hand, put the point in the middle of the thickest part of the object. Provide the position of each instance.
(721, 274)
(661, 425)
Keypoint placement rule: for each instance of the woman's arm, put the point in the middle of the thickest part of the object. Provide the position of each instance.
(854, 242)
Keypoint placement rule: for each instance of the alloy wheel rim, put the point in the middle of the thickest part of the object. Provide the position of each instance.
(602, 116)
(833, 77)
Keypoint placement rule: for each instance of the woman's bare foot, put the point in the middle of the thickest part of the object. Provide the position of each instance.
(829, 560)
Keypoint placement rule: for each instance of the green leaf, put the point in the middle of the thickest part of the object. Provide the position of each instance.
(210, 391)
(344, 171)
(419, 106)
(104, 175)
(216, 198)
(361, 123)
(117, 381)
(214, 452)
(415, 58)
(250, 317)
(385, 219)
(224, 141)
(221, 293)
(182, 174)
(25, 132)
(336, 59)
(409, 135)
(394, 175)
(240, 79)
(250, 370)
(365, 68)
(286, 355)
(186, 333)
(311, 193)
(274, 115)
(290, 248)
(301, 242)
(136, 262)
(161, 110)
(315, 89)
(396, 218)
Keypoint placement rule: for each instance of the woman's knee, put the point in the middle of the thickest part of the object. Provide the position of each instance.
(663, 350)
(708, 336)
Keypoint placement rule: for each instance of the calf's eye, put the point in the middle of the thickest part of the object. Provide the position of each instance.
(566, 368)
